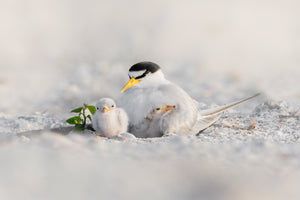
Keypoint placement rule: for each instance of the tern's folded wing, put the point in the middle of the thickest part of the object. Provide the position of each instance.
(203, 122)
(220, 109)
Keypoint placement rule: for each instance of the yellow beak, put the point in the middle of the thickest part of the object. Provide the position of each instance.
(168, 108)
(130, 83)
(104, 110)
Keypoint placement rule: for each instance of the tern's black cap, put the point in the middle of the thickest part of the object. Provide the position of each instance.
(145, 67)
(148, 66)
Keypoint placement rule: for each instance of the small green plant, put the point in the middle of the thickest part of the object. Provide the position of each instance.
(80, 120)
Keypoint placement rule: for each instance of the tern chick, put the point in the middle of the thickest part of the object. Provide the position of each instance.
(160, 118)
(154, 119)
(109, 120)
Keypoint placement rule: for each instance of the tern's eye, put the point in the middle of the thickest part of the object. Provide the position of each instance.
(97, 108)
(157, 109)
(112, 106)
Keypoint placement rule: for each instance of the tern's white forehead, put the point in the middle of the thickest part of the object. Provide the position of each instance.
(136, 73)
(105, 102)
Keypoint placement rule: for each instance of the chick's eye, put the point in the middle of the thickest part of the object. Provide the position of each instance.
(157, 109)
(97, 108)
(112, 106)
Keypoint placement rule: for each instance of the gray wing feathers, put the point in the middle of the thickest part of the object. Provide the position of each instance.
(204, 122)
(225, 107)
(208, 117)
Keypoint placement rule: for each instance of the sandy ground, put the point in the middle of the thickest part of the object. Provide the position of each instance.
(56, 55)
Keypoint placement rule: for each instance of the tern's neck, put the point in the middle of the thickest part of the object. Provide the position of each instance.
(154, 79)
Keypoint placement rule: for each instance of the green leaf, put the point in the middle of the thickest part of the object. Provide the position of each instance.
(77, 110)
(74, 120)
(79, 127)
(89, 116)
(92, 109)
(70, 121)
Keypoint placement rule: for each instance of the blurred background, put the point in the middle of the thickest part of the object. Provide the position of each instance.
(57, 54)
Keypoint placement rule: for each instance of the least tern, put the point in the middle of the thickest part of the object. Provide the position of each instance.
(109, 120)
(147, 88)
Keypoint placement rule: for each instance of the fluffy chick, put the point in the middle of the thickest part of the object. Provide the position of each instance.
(155, 119)
(109, 120)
